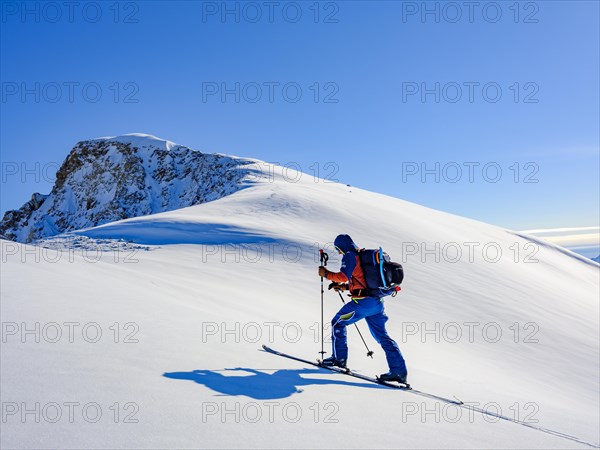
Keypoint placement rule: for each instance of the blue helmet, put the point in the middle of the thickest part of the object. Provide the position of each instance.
(345, 243)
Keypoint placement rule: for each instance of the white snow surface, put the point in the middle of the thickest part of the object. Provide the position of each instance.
(198, 299)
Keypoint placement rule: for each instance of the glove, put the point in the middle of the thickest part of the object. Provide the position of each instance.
(337, 287)
(323, 272)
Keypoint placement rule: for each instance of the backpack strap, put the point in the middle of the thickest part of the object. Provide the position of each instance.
(383, 280)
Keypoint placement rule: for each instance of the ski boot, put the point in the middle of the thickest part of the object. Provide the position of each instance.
(393, 376)
(332, 361)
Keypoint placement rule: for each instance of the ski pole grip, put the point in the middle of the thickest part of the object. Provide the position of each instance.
(324, 257)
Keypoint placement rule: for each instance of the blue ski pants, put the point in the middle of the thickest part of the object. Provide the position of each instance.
(371, 309)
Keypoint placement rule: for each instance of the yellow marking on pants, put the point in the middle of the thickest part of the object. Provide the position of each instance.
(348, 316)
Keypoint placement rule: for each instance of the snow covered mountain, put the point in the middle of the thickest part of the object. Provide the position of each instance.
(108, 179)
(156, 322)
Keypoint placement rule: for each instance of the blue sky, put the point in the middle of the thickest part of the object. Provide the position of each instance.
(153, 67)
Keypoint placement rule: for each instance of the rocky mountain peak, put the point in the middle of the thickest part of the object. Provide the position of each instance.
(113, 178)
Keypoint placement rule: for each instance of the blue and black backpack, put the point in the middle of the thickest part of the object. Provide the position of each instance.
(383, 276)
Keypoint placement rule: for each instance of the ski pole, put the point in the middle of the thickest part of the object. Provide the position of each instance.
(369, 352)
(324, 257)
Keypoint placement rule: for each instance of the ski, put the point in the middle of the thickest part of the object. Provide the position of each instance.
(398, 386)
(376, 380)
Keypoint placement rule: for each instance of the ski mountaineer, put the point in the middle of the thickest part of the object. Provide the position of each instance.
(351, 277)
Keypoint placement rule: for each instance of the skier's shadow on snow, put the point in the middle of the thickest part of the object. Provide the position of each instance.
(260, 385)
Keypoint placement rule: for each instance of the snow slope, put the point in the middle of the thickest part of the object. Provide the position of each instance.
(208, 284)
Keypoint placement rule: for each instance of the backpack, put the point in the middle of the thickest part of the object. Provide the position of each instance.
(382, 275)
